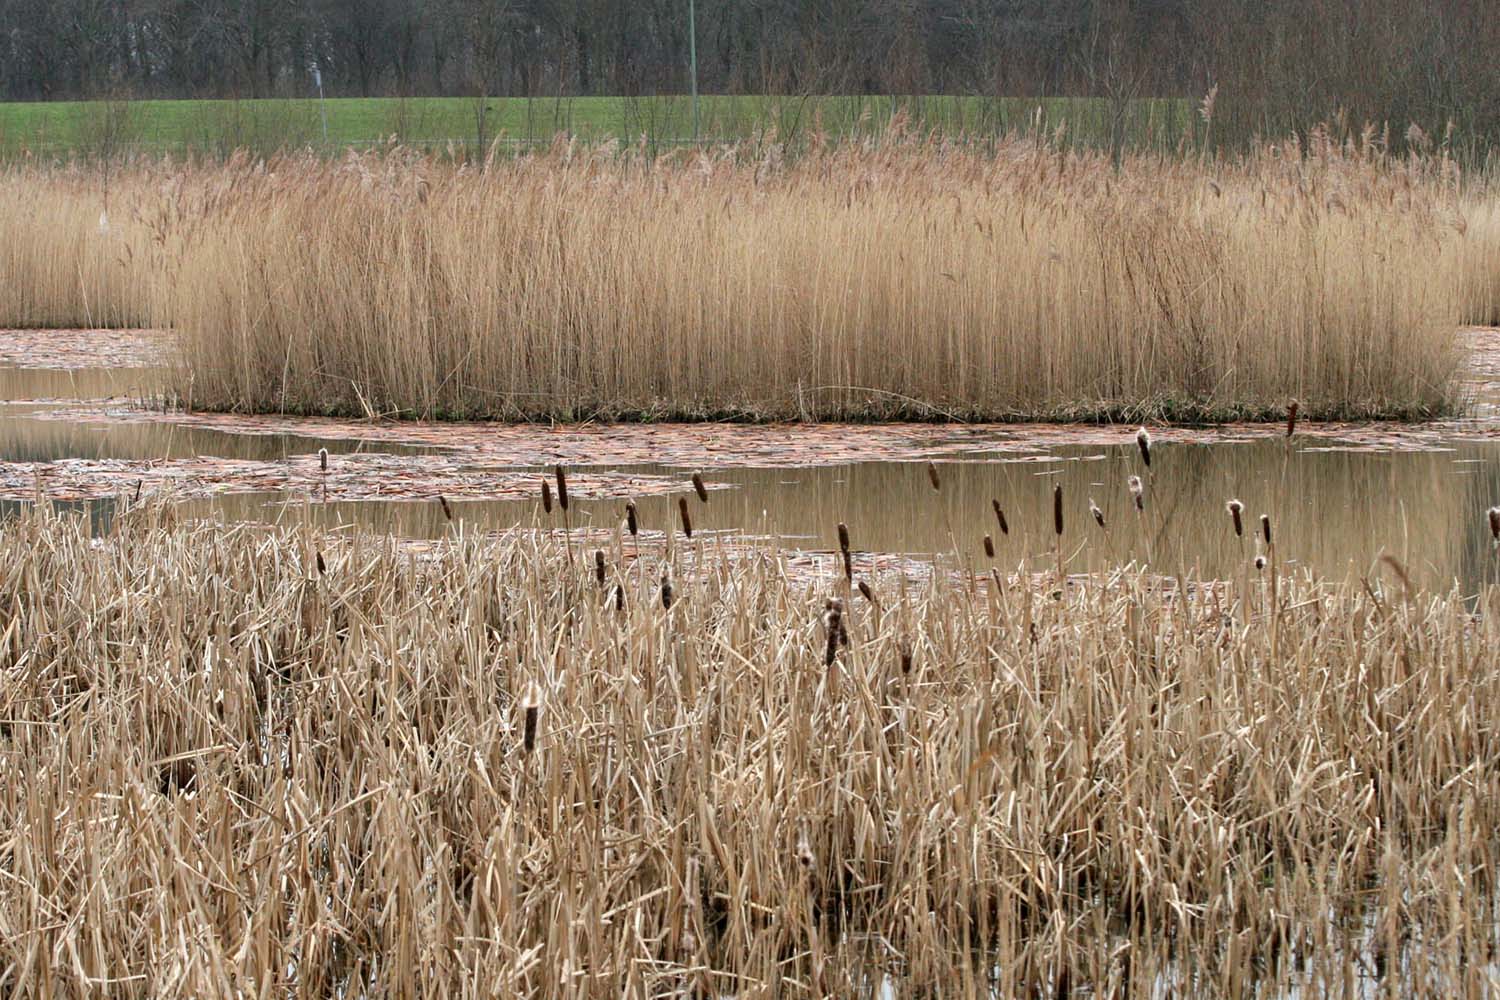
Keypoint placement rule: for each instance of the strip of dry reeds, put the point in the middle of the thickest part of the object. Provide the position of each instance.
(467, 772)
(903, 278)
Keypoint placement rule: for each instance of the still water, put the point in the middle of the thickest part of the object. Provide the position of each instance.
(1335, 506)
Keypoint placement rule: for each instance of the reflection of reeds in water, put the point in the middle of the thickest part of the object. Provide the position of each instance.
(1001, 793)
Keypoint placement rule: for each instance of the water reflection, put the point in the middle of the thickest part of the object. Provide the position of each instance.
(1332, 511)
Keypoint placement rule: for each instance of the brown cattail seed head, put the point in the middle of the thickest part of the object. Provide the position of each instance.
(546, 497)
(1265, 527)
(834, 620)
(932, 477)
(1143, 441)
(1000, 517)
(843, 538)
(447, 511)
(1057, 513)
(322, 566)
(323, 459)
(619, 597)
(1291, 418)
(699, 488)
(666, 591)
(562, 488)
(1260, 562)
(1098, 514)
(989, 547)
(687, 519)
(1137, 492)
(630, 519)
(1494, 514)
(599, 566)
(531, 713)
(1235, 508)
(905, 658)
(864, 589)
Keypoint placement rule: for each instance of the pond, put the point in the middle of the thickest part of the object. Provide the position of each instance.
(81, 425)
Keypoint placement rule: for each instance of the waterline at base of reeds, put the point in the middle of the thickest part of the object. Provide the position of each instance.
(351, 768)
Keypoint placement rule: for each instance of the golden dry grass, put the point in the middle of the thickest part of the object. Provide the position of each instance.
(900, 279)
(231, 772)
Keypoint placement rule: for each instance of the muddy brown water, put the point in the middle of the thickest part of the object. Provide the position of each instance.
(1338, 497)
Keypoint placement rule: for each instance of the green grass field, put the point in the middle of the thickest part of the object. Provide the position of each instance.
(74, 128)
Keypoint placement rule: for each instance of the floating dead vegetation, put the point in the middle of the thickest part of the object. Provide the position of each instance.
(74, 350)
(348, 478)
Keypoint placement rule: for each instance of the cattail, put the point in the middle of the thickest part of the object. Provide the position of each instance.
(1137, 493)
(619, 597)
(138, 484)
(1235, 508)
(1143, 441)
(1000, 517)
(805, 856)
(989, 547)
(843, 538)
(546, 497)
(1057, 513)
(599, 566)
(1098, 514)
(866, 591)
(630, 519)
(666, 590)
(905, 658)
(322, 566)
(1260, 562)
(833, 619)
(699, 488)
(932, 477)
(447, 511)
(531, 709)
(1265, 527)
(323, 459)
(1291, 418)
(687, 520)
(1494, 515)
(562, 488)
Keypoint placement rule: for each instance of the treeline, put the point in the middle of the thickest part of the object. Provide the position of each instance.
(1274, 65)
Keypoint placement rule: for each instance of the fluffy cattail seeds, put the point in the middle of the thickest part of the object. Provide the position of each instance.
(447, 511)
(1057, 513)
(630, 519)
(323, 459)
(1260, 562)
(1494, 515)
(666, 591)
(834, 620)
(1235, 508)
(1143, 441)
(1265, 527)
(1000, 517)
(932, 477)
(1291, 418)
(546, 497)
(562, 488)
(699, 488)
(687, 519)
(531, 712)
(599, 566)
(1098, 514)
(989, 547)
(1137, 492)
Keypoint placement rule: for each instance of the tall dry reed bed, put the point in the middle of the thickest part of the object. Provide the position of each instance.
(288, 764)
(903, 279)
